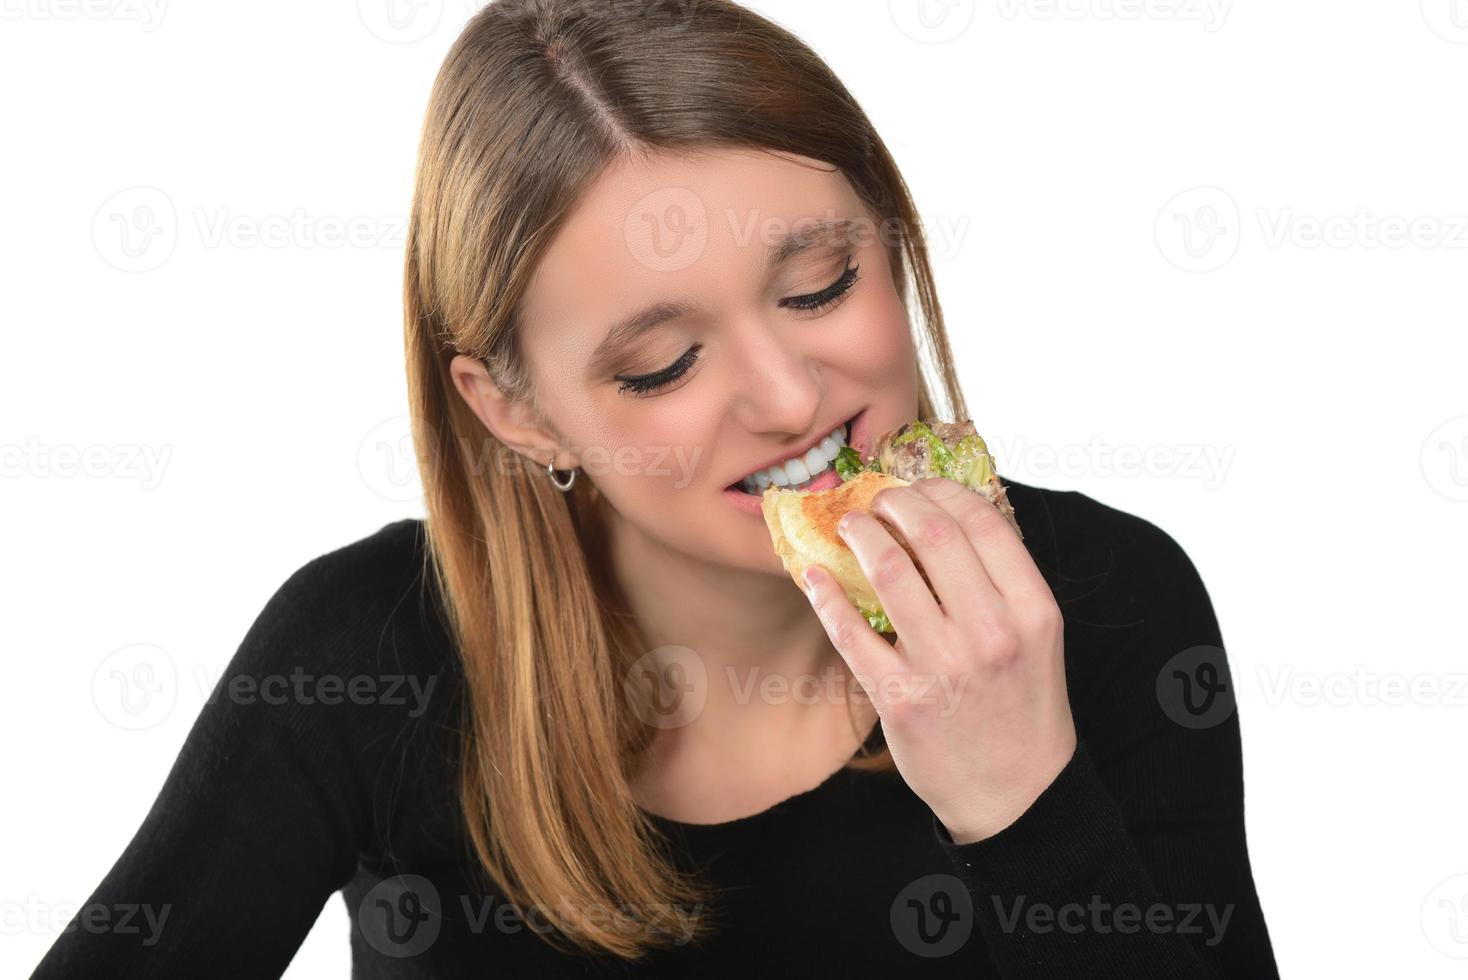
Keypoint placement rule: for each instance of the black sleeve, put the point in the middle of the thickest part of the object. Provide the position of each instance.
(262, 815)
(1133, 862)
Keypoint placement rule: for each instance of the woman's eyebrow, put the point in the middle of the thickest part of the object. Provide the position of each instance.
(626, 330)
(807, 237)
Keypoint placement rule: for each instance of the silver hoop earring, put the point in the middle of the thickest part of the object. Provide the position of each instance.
(550, 469)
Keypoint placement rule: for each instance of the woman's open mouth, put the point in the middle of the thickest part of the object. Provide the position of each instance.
(813, 469)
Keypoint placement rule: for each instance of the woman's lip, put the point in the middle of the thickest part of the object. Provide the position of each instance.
(857, 424)
(751, 503)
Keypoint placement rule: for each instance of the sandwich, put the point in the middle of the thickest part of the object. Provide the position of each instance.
(802, 523)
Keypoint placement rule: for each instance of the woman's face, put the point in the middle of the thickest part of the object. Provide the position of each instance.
(680, 339)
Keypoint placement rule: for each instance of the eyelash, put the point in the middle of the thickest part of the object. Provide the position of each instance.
(812, 303)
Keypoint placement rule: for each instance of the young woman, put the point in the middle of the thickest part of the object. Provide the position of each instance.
(579, 721)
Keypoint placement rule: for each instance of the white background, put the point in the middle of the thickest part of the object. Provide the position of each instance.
(1298, 399)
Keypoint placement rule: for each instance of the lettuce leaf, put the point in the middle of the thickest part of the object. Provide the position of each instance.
(849, 463)
(879, 621)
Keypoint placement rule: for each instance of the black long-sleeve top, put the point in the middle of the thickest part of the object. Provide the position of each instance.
(290, 787)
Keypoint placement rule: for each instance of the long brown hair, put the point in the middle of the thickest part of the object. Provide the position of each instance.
(535, 98)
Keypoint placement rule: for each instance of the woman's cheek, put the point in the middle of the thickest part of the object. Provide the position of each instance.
(655, 465)
(877, 345)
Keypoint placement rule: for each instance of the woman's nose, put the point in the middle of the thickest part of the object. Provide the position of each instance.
(780, 389)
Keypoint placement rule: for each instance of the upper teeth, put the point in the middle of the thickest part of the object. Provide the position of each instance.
(799, 469)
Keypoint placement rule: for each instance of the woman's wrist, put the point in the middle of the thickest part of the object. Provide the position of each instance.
(990, 815)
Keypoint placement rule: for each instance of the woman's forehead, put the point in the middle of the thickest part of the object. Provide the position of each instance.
(681, 225)
(639, 209)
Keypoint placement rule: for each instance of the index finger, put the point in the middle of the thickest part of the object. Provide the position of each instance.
(999, 548)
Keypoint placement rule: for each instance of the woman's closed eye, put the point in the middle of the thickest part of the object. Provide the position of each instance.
(810, 303)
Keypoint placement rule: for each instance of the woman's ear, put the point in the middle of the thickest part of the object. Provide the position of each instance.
(511, 421)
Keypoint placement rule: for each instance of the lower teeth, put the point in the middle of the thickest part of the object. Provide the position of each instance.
(756, 491)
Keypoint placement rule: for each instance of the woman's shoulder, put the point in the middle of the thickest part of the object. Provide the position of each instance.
(1136, 610)
(1091, 550)
(378, 582)
(360, 626)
